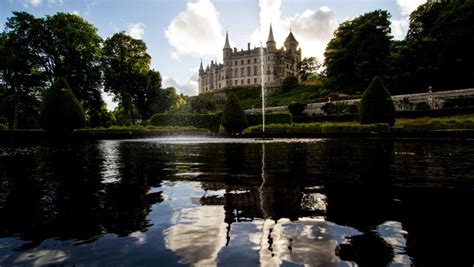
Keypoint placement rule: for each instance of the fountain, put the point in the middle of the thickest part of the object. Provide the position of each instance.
(262, 84)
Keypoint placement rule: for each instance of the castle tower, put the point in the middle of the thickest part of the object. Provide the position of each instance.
(290, 43)
(271, 45)
(227, 50)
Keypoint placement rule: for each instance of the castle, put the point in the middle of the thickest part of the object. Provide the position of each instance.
(243, 68)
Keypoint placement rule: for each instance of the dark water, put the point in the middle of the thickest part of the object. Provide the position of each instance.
(187, 201)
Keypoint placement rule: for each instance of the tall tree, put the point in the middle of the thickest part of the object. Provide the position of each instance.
(72, 49)
(125, 66)
(20, 71)
(358, 52)
(308, 68)
(438, 50)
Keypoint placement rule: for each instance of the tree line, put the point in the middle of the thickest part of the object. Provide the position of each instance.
(436, 52)
(34, 52)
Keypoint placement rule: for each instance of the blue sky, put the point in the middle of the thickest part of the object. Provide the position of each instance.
(179, 33)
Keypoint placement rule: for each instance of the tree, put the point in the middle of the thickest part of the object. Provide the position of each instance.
(20, 72)
(289, 83)
(233, 117)
(203, 103)
(376, 104)
(358, 52)
(72, 49)
(60, 109)
(437, 50)
(125, 66)
(308, 68)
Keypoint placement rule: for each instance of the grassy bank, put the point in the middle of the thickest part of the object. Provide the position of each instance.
(456, 125)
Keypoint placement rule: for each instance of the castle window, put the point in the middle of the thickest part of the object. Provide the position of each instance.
(254, 80)
(242, 82)
(219, 85)
(236, 63)
(248, 81)
(236, 73)
(248, 71)
(255, 60)
(254, 70)
(242, 62)
(248, 61)
(242, 73)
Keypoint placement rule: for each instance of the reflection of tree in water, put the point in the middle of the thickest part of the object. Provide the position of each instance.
(57, 192)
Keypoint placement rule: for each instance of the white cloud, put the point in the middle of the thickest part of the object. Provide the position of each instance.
(136, 30)
(189, 87)
(399, 28)
(196, 31)
(109, 100)
(35, 2)
(313, 28)
(408, 6)
(75, 12)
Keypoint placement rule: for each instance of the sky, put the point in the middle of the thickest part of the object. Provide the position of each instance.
(181, 33)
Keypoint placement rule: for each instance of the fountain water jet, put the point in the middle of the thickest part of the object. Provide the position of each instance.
(262, 84)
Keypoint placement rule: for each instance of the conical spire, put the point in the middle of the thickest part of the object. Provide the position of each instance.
(200, 67)
(270, 35)
(227, 45)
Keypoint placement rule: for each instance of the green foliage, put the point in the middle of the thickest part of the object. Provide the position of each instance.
(376, 104)
(422, 106)
(459, 102)
(358, 52)
(203, 103)
(340, 107)
(327, 118)
(126, 65)
(270, 118)
(205, 121)
(289, 83)
(296, 109)
(245, 92)
(308, 68)
(60, 110)
(233, 117)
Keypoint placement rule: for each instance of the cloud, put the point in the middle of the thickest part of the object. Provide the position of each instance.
(408, 6)
(35, 2)
(136, 30)
(399, 28)
(313, 28)
(75, 12)
(109, 100)
(196, 31)
(190, 87)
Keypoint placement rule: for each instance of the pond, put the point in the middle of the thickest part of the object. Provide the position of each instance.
(239, 202)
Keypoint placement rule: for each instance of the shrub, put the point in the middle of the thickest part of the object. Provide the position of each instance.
(289, 83)
(422, 106)
(270, 118)
(60, 109)
(233, 117)
(245, 92)
(459, 102)
(376, 104)
(205, 121)
(3, 126)
(296, 109)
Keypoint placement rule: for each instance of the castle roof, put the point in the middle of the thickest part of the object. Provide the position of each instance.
(291, 38)
(270, 35)
(227, 45)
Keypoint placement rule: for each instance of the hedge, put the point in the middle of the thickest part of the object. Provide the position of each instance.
(459, 102)
(337, 118)
(435, 112)
(205, 121)
(270, 118)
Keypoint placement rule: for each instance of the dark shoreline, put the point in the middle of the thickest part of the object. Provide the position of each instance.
(85, 135)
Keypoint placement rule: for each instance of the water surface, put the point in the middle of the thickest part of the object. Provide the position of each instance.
(201, 201)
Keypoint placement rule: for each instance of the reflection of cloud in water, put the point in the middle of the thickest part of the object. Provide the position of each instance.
(310, 242)
(110, 166)
(139, 236)
(197, 234)
(392, 233)
(41, 257)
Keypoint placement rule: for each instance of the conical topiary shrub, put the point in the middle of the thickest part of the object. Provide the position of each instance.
(233, 117)
(376, 105)
(60, 109)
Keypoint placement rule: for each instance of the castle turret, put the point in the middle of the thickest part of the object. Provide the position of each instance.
(290, 43)
(271, 45)
(201, 69)
(227, 49)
